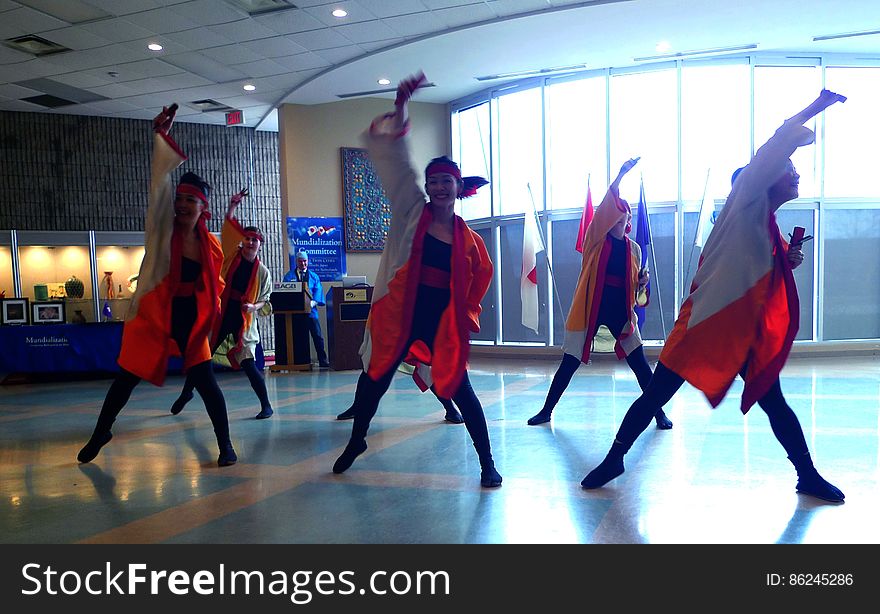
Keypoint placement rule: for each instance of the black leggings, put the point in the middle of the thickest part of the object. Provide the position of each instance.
(665, 383)
(615, 317)
(203, 378)
(562, 378)
(370, 392)
(258, 383)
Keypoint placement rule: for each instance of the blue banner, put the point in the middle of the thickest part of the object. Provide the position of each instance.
(60, 347)
(322, 239)
(51, 348)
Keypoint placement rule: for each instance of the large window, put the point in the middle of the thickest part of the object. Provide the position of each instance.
(520, 169)
(644, 123)
(512, 329)
(715, 127)
(685, 120)
(780, 92)
(470, 146)
(851, 240)
(852, 137)
(576, 142)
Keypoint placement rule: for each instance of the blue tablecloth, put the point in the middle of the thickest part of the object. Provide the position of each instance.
(50, 348)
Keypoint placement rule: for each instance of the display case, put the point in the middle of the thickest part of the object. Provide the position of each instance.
(47, 261)
(118, 257)
(7, 272)
(93, 273)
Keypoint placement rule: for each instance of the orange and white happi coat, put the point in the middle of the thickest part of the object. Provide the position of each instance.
(146, 337)
(394, 295)
(230, 352)
(580, 326)
(743, 307)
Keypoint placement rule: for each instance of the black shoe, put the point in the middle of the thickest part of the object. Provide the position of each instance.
(607, 470)
(227, 456)
(540, 418)
(324, 365)
(351, 452)
(348, 414)
(182, 400)
(94, 445)
(817, 486)
(453, 416)
(266, 412)
(489, 477)
(663, 421)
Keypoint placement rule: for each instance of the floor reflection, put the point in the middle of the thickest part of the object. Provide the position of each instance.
(716, 477)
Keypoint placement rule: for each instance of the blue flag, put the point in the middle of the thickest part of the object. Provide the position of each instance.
(643, 238)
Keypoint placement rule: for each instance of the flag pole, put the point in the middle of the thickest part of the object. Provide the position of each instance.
(653, 258)
(686, 290)
(544, 245)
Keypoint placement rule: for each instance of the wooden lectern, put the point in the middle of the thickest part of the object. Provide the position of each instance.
(347, 311)
(290, 304)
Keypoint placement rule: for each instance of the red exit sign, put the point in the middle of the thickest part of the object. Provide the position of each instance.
(234, 118)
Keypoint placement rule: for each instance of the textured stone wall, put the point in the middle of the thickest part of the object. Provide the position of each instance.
(71, 172)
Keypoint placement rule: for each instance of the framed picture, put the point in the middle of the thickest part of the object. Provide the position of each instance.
(50, 312)
(14, 311)
(366, 210)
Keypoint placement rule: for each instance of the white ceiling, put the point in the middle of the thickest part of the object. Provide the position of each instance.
(304, 55)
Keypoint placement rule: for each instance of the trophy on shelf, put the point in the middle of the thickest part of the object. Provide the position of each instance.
(108, 279)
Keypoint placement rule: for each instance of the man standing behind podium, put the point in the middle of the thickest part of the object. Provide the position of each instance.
(316, 291)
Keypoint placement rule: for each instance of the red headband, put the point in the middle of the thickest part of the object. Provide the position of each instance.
(254, 235)
(443, 167)
(188, 188)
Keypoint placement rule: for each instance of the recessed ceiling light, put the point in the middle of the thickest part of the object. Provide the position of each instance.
(384, 81)
(339, 13)
(249, 87)
(663, 47)
(154, 47)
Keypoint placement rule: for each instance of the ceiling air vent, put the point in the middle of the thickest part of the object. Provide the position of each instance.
(34, 45)
(208, 105)
(49, 101)
(259, 7)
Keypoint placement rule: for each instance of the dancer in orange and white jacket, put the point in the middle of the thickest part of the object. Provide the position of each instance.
(177, 301)
(610, 285)
(433, 274)
(741, 316)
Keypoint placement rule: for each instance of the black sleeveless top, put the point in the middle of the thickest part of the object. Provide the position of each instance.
(432, 301)
(614, 290)
(233, 319)
(183, 308)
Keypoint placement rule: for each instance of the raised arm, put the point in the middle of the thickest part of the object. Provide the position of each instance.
(405, 90)
(624, 169)
(769, 161)
(390, 156)
(162, 122)
(232, 233)
(234, 202)
(167, 156)
(825, 99)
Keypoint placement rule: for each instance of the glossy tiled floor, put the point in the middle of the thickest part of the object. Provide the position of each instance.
(715, 478)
